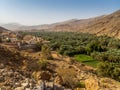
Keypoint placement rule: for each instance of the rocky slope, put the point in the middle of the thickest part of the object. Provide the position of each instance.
(103, 25)
(20, 71)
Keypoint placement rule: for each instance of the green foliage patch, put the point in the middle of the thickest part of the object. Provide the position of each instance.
(88, 60)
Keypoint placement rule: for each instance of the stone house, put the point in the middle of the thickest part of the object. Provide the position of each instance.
(9, 36)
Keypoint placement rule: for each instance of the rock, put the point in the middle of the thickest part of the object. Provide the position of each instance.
(2, 79)
(4, 74)
(49, 84)
(19, 88)
(10, 73)
(92, 83)
(25, 85)
(3, 88)
(58, 87)
(58, 80)
(16, 73)
(2, 66)
(8, 88)
(41, 86)
(27, 89)
(36, 75)
(17, 84)
(45, 75)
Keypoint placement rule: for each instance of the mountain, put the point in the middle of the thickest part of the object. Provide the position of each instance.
(107, 25)
(3, 29)
(11, 26)
(102, 25)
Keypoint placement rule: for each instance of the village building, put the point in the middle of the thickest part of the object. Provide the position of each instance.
(29, 42)
(9, 37)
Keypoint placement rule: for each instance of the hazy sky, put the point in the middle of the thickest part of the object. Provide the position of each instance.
(32, 12)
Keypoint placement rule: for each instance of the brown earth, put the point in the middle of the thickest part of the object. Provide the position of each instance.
(18, 69)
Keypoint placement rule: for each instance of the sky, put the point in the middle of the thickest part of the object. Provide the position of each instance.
(34, 12)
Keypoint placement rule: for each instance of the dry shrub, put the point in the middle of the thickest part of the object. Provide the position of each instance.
(69, 77)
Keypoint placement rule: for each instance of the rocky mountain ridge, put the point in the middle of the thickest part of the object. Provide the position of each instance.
(102, 25)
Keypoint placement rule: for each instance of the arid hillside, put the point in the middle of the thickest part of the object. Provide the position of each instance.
(3, 29)
(101, 25)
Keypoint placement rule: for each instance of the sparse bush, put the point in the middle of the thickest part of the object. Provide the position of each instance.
(42, 64)
(80, 85)
(46, 53)
(38, 46)
(38, 65)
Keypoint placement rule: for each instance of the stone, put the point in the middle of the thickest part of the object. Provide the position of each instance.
(58, 87)
(10, 73)
(49, 84)
(8, 88)
(27, 89)
(2, 66)
(36, 75)
(17, 84)
(58, 80)
(25, 85)
(16, 73)
(3, 88)
(2, 79)
(19, 88)
(4, 74)
(45, 75)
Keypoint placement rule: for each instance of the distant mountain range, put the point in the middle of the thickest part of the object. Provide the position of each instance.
(102, 25)
(12, 26)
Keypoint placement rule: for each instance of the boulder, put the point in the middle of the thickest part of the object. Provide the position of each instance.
(58, 80)
(2, 66)
(17, 84)
(45, 75)
(2, 79)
